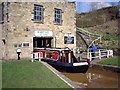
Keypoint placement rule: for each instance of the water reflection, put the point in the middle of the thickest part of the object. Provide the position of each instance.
(92, 76)
(95, 78)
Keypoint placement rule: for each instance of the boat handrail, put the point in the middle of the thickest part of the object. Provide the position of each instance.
(60, 49)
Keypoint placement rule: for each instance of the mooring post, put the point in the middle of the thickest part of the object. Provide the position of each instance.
(32, 56)
(90, 56)
(99, 54)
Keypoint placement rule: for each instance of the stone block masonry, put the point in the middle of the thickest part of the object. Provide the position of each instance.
(18, 29)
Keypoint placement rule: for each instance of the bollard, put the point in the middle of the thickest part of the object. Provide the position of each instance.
(32, 56)
(90, 56)
(108, 53)
(99, 54)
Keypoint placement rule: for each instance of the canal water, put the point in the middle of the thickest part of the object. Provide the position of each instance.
(95, 78)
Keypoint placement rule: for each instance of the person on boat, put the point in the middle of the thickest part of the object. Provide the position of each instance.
(47, 45)
(93, 50)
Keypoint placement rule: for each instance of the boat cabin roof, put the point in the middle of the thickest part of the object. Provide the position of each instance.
(56, 49)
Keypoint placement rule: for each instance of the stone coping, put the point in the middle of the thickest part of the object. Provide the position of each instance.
(106, 67)
(63, 77)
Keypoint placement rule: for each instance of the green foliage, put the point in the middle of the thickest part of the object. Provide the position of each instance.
(26, 74)
(99, 17)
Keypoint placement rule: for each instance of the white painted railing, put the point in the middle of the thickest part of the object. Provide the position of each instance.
(87, 32)
(94, 37)
(37, 56)
(100, 53)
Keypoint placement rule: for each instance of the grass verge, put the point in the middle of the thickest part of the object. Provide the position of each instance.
(111, 61)
(26, 74)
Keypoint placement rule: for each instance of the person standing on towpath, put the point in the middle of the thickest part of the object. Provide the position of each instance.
(94, 49)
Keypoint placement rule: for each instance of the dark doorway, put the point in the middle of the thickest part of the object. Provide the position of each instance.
(42, 42)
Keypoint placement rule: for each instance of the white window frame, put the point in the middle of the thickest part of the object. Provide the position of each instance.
(2, 12)
(58, 16)
(38, 12)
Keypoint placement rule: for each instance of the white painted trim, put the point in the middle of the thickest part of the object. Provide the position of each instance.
(80, 64)
(69, 57)
(43, 33)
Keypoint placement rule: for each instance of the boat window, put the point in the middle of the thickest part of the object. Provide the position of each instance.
(74, 60)
(55, 55)
(52, 55)
(49, 55)
(64, 57)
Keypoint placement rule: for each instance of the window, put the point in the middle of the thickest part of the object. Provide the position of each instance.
(26, 44)
(4, 41)
(17, 45)
(49, 55)
(2, 12)
(58, 16)
(38, 13)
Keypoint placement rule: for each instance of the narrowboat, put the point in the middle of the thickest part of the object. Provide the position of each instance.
(62, 59)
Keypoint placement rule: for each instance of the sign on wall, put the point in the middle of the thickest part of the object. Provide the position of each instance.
(69, 39)
(25, 44)
(43, 33)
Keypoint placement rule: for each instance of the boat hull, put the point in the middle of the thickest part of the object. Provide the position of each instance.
(68, 67)
(71, 69)
(61, 59)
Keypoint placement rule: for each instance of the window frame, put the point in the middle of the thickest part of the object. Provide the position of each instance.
(2, 14)
(25, 44)
(38, 13)
(58, 16)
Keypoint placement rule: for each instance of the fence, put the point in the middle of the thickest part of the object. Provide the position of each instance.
(100, 53)
(37, 56)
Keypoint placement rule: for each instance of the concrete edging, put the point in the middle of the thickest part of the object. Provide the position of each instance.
(62, 77)
(106, 67)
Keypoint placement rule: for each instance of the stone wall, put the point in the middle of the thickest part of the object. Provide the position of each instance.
(0, 30)
(0, 41)
(20, 26)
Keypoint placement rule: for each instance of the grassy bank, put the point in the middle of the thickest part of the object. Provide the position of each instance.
(26, 74)
(111, 61)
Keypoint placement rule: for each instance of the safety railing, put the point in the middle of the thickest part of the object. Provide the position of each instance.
(100, 54)
(36, 56)
(91, 36)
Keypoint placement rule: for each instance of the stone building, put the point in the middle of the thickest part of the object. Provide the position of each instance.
(26, 25)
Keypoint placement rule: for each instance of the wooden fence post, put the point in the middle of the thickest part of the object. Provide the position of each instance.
(90, 57)
(99, 54)
(32, 57)
(88, 54)
(112, 52)
(107, 53)
(39, 56)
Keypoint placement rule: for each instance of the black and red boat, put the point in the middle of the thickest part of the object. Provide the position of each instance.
(62, 59)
